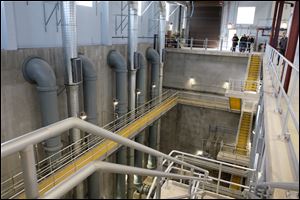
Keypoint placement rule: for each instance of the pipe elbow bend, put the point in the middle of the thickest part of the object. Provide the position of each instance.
(37, 71)
(117, 61)
(141, 58)
(88, 70)
(152, 55)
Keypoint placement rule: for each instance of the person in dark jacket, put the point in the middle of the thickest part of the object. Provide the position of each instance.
(235, 41)
(282, 45)
(243, 43)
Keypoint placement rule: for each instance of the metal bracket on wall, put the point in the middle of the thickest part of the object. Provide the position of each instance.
(47, 19)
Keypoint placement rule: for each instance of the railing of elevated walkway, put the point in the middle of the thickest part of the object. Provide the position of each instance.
(24, 145)
(198, 187)
(14, 186)
(287, 105)
(277, 65)
(48, 167)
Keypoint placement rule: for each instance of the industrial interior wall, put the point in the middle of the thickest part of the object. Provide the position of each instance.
(191, 129)
(264, 11)
(202, 71)
(20, 111)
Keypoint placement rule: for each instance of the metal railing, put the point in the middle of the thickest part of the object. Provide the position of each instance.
(22, 144)
(242, 86)
(199, 186)
(196, 43)
(48, 166)
(277, 66)
(205, 44)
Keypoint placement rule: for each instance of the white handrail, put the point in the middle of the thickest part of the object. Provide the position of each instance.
(270, 54)
(209, 178)
(76, 178)
(20, 143)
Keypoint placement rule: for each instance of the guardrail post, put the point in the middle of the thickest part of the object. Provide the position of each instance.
(191, 184)
(221, 46)
(29, 173)
(205, 42)
(219, 177)
(280, 91)
(158, 180)
(192, 40)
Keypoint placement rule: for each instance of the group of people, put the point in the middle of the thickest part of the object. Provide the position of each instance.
(245, 43)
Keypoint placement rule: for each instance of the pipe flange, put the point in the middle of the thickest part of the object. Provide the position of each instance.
(25, 75)
(47, 89)
(54, 148)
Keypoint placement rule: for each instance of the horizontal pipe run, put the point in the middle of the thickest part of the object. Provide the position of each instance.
(34, 137)
(76, 178)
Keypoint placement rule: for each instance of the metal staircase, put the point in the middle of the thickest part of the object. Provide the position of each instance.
(243, 134)
(253, 73)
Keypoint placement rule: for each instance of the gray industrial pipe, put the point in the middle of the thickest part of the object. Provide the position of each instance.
(73, 72)
(153, 58)
(38, 71)
(90, 107)
(132, 48)
(89, 89)
(161, 37)
(141, 88)
(117, 61)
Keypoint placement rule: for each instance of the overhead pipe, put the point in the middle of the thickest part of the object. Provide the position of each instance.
(38, 71)
(73, 71)
(117, 62)
(154, 59)
(90, 107)
(141, 99)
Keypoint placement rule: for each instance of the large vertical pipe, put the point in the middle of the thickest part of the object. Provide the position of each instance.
(162, 26)
(69, 39)
(116, 60)
(38, 71)
(89, 89)
(154, 59)
(132, 48)
(90, 106)
(141, 87)
(179, 21)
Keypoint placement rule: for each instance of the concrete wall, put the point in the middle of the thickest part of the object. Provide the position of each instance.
(22, 24)
(20, 111)
(210, 70)
(187, 128)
